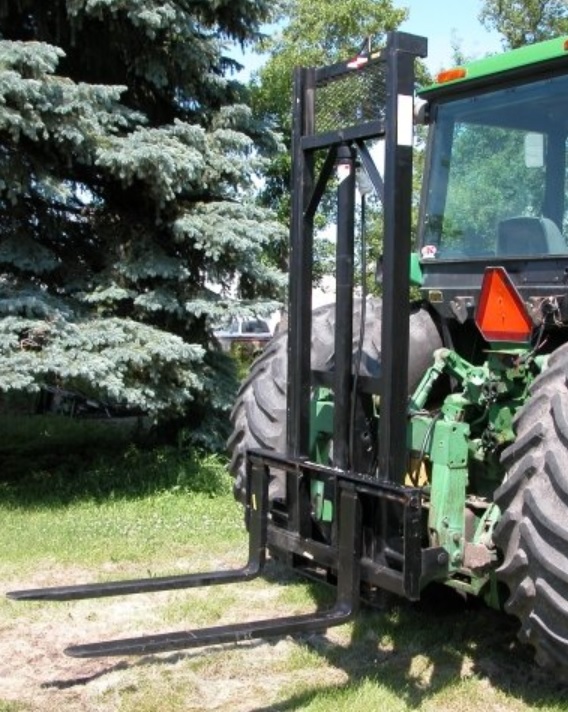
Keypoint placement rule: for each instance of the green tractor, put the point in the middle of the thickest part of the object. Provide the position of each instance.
(389, 444)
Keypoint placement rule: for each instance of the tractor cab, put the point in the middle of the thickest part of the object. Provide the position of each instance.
(495, 188)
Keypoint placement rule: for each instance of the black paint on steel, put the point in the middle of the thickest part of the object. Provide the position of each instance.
(332, 71)
(412, 543)
(396, 259)
(345, 249)
(408, 579)
(235, 633)
(300, 291)
(399, 56)
(301, 268)
(346, 606)
(370, 129)
(365, 384)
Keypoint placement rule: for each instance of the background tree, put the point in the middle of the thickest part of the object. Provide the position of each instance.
(314, 33)
(524, 22)
(126, 162)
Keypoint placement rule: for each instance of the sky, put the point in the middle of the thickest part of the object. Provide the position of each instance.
(440, 21)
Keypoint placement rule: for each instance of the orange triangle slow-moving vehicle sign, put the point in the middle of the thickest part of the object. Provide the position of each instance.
(501, 314)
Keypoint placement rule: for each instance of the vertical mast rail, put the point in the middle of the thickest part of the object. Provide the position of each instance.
(402, 50)
(344, 283)
(301, 269)
(381, 107)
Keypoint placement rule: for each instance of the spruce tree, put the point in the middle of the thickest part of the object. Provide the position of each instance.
(127, 160)
(523, 22)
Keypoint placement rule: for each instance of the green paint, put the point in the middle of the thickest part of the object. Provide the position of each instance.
(492, 595)
(321, 424)
(420, 396)
(416, 276)
(321, 433)
(486, 526)
(322, 508)
(461, 446)
(542, 52)
(449, 455)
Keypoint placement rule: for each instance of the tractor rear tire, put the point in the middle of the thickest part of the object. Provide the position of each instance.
(259, 414)
(533, 531)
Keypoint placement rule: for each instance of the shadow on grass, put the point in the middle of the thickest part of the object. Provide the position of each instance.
(417, 651)
(414, 651)
(50, 462)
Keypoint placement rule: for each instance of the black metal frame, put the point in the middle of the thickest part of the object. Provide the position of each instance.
(356, 552)
(347, 558)
(399, 57)
(406, 571)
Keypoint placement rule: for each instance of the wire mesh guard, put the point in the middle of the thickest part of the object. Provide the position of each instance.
(351, 98)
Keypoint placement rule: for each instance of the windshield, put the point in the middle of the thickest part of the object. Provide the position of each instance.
(497, 180)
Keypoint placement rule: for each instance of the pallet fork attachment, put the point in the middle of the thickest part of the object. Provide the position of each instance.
(347, 588)
(375, 538)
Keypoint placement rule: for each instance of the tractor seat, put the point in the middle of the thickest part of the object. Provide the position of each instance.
(529, 236)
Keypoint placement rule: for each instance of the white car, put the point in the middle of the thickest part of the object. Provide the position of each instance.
(252, 332)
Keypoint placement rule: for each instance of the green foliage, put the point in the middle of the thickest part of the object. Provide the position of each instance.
(139, 527)
(48, 460)
(524, 22)
(315, 34)
(128, 361)
(126, 192)
(35, 444)
(244, 356)
(438, 655)
(201, 426)
(489, 180)
(6, 706)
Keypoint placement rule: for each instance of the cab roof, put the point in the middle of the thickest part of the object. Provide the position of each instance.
(540, 56)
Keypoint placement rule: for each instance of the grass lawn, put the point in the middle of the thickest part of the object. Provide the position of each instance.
(153, 513)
